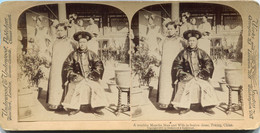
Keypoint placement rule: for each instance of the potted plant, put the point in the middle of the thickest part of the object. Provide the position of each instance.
(143, 64)
(29, 75)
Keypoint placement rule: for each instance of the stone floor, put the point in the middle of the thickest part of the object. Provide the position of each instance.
(41, 113)
(151, 110)
(149, 107)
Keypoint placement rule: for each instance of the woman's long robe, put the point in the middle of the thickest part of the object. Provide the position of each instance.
(61, 49)
(170, 49)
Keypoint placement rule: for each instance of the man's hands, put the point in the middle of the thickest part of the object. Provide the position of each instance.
(74, 77)
(94, 76)
(203, 75)
(184, 76)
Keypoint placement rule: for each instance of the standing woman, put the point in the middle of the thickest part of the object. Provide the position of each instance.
(72, 25)
(153, 37)
(20, 45)
(193, 24)
(205, 29)
(62, 47)
(185, 25)
(171, 46)
(79, 26)
(92, 28)
(42, 40)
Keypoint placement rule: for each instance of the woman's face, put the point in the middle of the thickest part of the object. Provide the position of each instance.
(204, 19)
(80, 22)
(91, 21)
(38, 22)
(61, 32)
(193, 21)
(184, 19)
(171, 30)
(150, 21)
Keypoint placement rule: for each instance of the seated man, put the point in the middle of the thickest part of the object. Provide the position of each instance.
(193, 67)
(84, 69)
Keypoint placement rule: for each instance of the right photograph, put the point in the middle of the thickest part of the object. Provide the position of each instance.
(186, 61)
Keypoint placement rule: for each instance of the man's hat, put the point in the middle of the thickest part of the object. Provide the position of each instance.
(191, 33)
(82, 34)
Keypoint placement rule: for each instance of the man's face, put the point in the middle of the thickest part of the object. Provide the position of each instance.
(193, 42)
(83, 43)
(61, 32)
(171, 30)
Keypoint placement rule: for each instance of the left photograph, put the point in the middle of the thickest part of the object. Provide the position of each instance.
(73, 63)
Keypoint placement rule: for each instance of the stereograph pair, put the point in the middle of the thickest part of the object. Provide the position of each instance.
(169, 65)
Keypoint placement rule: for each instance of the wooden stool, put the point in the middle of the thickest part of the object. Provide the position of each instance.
(234, 107)
(122, 108)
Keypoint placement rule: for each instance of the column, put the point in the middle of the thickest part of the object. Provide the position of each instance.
(62, 11)
(175, 11)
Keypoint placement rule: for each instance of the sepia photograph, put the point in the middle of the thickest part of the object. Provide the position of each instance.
(73, 61)
(129, 65)
(186, 61)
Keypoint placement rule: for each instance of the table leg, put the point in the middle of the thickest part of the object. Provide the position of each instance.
(240, 96)
(118, 111)
(128, 100)
(229, 108)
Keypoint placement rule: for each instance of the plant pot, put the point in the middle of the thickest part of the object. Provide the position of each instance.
(146, 91)
(123, 77)
(27, 98)
(234, 77)
(112, 87)
(25, 103)
(136, 96)
(136, 111)
(43, 83)
(223, 86)
(136, 100)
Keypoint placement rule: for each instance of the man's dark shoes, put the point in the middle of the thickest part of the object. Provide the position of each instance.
(98, 111)
(209, 111)
(184, 111)
(52, 107)
(86, 108)
(73, 112)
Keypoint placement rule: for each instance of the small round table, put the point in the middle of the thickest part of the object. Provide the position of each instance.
(232, 107)
(120, 107)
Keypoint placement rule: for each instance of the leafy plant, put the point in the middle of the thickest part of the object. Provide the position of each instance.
(143, 63)
(123, 54)
(30, 67)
